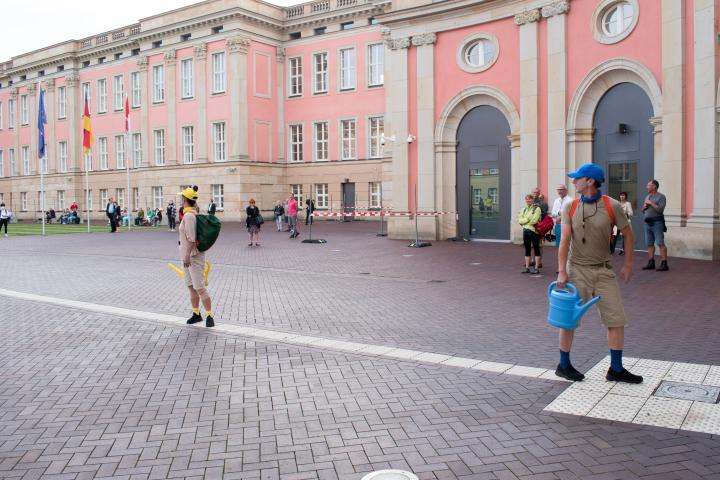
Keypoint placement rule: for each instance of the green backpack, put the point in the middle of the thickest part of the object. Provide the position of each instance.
(208, 231)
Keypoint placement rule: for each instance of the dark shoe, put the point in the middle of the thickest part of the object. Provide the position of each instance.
(257, 244)
(209, 322)
(525, 270)
(250, 244)
(663, 267)
(532, 264)
(622, 252)
(569, 373)
(650, 265)
(534, 271)
(196, 317)
(623, 376)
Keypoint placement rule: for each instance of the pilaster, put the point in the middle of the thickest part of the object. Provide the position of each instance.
(50, 143)
(145, 97)
(239, 127)
(171, 157)
(201, 84)
(279, 65)
(529, 98)
(14, 169)
(31, 90)
(72, 95)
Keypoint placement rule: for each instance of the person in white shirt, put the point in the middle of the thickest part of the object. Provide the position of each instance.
(5, 216)
(557, 209)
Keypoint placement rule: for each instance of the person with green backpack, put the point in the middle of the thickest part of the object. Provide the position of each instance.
(197, 234)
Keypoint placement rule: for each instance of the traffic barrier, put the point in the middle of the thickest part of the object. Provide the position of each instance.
(379, 214)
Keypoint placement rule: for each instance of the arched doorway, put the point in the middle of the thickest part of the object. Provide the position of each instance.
(483, 174)
(623, 145)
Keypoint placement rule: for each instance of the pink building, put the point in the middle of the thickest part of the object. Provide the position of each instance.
(363, 103)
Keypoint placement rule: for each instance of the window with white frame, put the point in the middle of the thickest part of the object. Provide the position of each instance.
(119, 151)
(186, 78)
(11, 113)
(62, 102)
(376, 127)
(321, 195)
(158, 77)
(296, 74)
(617, 18)
(86, 96)
(24, 119)
(219, 142)
(61, 200)
(88, 161)
(118, 92)
(188, 144)
(120, 197)
(159, 140)
(23, 201)
(157, 194)
(63, 157)
(103, 153)
(102, 95)
(137, 149)
(349, 139)
(218, 196)
(297, 192)
(375, 64)
(320, 72)
(296, 143)
(347, 69)
(321, 141)
(103, 198)
(11, 161)
(1, 115)
(219, 77)
(88, 199)
(375, 195)
(2, 164)
(25, 155)
(136, 198)
(136, 90)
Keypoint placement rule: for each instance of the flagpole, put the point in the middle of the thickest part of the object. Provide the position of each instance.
(87, 191)
(127, 162)
(41, 150)
(42, 192)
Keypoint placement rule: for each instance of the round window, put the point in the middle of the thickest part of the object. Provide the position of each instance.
(614, 20)
(477, 53)
(617, 19)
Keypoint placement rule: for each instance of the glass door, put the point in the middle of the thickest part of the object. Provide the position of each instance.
(485, 203)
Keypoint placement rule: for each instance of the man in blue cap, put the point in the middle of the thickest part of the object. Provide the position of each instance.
(584, 259)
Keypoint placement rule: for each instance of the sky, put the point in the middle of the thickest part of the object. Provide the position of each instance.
(32, 24)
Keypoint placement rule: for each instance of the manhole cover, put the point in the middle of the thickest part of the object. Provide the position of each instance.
(390, 475)
(688, 391)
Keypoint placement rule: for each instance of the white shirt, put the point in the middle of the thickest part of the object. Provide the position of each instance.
(5, 213)
(558, 206)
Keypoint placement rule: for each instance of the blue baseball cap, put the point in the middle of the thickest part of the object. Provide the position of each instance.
(589, 170)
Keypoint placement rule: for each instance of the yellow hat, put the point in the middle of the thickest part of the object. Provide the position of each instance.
(190, 193)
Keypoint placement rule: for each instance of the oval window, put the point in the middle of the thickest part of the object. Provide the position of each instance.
(618, 19)
(480, 53)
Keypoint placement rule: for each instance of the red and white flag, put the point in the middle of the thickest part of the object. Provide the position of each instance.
(127, 115)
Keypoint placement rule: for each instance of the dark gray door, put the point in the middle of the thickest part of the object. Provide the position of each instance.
(348, 193)
(623, 145)
(483, 175)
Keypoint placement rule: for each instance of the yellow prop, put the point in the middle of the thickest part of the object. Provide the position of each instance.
(181, 274)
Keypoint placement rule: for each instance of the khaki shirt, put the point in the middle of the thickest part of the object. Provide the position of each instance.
(597, 230)
(188, 234)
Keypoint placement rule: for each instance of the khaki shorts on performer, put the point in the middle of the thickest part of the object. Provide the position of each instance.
(195, 273)
(600, 280)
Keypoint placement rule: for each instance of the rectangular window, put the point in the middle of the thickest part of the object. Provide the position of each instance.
(103, 198)
(120, 196)
(297, 192)
(186, 78)
(23, 201)
(2, 164)
(218, 63)
(102, 95)
(188, 144)
(219, 141)
(159, 137)
(63, 157)
(86, 95)
(11, 113)
(136, 198)
(321, 141)
(62, 102)
(25, 155)
(296, 143)
(346, 25)
(137, 149)
(11, 161)
(119, 151)
(375, 195)
(88, 161)
(296, 74)
(1, 116)
(136, 91)
(157, 194)
(61, 200)
(218, 196)
(320, 72)
(321, 195)
(118, 92)
(103, 153)
(347, 69)
(375, 64)
(349, 142)
(376, 127)
(24, 119)
(158, 76)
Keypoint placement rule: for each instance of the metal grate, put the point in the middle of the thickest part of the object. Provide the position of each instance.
(688, 391)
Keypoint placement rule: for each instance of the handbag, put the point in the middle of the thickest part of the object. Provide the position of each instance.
(259, 220)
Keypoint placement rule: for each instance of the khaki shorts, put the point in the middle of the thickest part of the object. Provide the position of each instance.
(600, 280)
(195, 273)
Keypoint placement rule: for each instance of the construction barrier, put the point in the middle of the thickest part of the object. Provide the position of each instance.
(378, 214)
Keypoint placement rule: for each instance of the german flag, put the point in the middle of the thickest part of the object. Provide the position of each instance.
(87, 130)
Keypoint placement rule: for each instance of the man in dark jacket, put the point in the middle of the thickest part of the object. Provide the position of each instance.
(212, 208)
(110, 210)
(171, 215)
(309, 209)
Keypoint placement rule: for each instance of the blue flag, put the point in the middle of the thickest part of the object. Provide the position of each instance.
(42, 120)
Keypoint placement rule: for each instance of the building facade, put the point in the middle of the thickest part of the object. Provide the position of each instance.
(458, 107)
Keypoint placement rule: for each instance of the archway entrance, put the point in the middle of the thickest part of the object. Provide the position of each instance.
(483, 175)
(623, 145)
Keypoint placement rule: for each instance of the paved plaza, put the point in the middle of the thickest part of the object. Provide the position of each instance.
(335, 360)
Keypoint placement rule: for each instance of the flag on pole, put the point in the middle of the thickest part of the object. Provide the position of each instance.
(87, 130)
(127, 115)
(42, 121)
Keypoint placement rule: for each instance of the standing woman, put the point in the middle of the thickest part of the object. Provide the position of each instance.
(5, 216)
(527, 218)
(279, 213)
(628, 211)
(253, 222)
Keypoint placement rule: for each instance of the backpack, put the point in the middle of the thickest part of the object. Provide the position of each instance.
(207, 231)
(611, 213)
(544, 226)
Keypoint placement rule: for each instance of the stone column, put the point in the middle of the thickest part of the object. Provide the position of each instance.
(74, 117)
(16, 132)
(201, 152)
(280, 64)
(50, 151)
(171, 157)
(446, 177)
(145, 97)
(239, 126)
(529, 98)
(31, 90)
(515, 200)
(557, 92)
(669, 167)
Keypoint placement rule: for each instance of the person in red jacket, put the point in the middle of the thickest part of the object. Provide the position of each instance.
(292, 216)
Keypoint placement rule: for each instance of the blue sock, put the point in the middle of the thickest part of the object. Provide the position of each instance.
(564, 359)
(616, 360)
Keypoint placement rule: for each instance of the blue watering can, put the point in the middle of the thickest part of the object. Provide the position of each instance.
(565, 310)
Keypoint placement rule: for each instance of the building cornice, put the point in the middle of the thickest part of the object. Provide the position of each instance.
(558, 8)
(529, 16)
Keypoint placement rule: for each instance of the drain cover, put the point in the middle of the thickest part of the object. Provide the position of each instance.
(688, 391)
(390, 475)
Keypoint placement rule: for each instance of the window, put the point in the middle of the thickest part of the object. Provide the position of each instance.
(294, 35)
(61, 68)
(346, 25)
(320, 30)
(62, 156)
(321, 195)
(296, 81)
(185, 37)
(297, 192)
(103, 198)
(375, 195)
(477, 53)
(88, 199)
(11, 161)
(218, 62)
(219, 141)
(136, 198)
(157, 194)
(157, 44)
(61, 200)
(376, 128)
(158, 75)
(2, 164)
(103, 153)
(23, 201)
(86, 96)
(1, 115)
(87, 157)
(120, 196)
(118, 92)
(24, 119)
(188, 144)
(102, 95)
(375, 64)
(137, 149)
(118, 56)
(218, 196)
(493, 194)
(216, 30)
(321, 141)
(136, 91)
(11, 113)
(62, 102)
(186, 78)
(86, 63)
(101, 60)
(119, 151)
(617, 19)
(349, 135)
(320, 72)
(296, 143)
(159, 137)
(135, 52)
(25, 155)
(347, 69)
